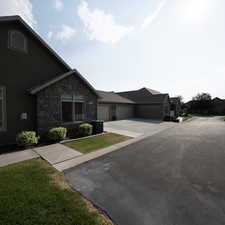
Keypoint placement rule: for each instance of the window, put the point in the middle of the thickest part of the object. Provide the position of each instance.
(72, 108)
(2, 109)
(67, 111)
(79, 107)
(17, 41)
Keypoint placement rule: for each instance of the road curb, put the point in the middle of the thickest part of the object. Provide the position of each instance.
(94, 155)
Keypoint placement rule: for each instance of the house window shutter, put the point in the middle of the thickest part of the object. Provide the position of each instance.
(2, 109)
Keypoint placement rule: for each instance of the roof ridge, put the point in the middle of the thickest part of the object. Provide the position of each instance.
(108, 96)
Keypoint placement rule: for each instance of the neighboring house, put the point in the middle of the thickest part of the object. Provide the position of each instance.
(38, 90)
(112, 106)
(175, 106)
(188, 105)
(218, 106)
(149, 104)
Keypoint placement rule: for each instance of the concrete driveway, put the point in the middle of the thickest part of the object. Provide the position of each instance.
(176, 177)
(137, 127)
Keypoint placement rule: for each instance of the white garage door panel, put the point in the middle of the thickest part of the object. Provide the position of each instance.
(124, 112)
(103, 112)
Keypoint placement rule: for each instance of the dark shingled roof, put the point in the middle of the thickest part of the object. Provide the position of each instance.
(144, 95)
(154, 92)
(112, 97)
(218, 99)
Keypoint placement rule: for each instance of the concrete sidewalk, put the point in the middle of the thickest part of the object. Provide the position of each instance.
(16, 157)
(57, 153)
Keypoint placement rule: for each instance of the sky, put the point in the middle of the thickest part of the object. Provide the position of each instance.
(173, 46)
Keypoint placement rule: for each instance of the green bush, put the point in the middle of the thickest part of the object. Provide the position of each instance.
(57, 134)
(184, 114)
(85, 129)
(26, 138)
(167, 118)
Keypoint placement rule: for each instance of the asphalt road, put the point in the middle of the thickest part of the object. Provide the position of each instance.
(176, 177)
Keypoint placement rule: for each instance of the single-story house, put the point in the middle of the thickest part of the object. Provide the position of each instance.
(218, 106)
(215, 106)
(149, 104)
(112, 106)
(38, 90)
(175, 106)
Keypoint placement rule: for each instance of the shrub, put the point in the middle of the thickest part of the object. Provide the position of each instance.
(57, 134)
(26, 138)
(85, 129)
(184, 114)
(167, 118)
(73, 132)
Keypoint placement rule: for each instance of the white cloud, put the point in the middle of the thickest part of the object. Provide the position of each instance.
(150, 19)
(101, 26)
(195, 11)
(65, 33)
(58, 5)
(22, 8)
(49, 35)
(220, 69)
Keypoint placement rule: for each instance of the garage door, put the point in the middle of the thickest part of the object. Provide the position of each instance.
(124, 112)
(104, 112)
(150, 112)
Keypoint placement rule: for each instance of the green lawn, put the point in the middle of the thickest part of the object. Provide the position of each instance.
(188, 117)
(222, 118)
(33, 193)
(95, 143)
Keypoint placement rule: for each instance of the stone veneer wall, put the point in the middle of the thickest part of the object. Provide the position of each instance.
(49, 102)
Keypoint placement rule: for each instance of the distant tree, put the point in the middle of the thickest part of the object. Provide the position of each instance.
(182, 105)
(180, 97)
(201, 103)
(202, 97)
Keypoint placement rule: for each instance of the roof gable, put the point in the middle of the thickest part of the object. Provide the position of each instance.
(218, 99)
(35, 90)
(36, 36)
(151, 91)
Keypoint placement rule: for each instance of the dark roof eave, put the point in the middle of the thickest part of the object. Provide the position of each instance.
(114, 102)
(149, 103)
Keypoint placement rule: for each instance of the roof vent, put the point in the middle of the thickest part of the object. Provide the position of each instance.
(17, 41)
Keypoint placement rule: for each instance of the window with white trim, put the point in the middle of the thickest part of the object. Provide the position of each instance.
(17, 41)
(73, 108)
(2, 109)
